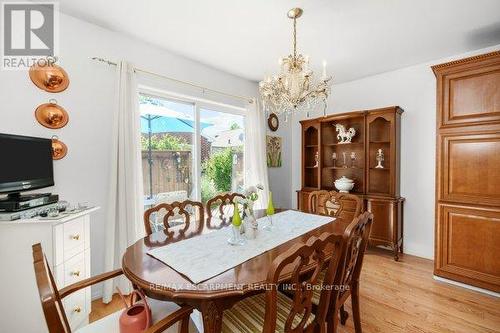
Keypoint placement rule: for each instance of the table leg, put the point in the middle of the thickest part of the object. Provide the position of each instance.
(212, 317)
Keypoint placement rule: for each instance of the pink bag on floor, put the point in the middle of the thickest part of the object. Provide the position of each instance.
(135, 318)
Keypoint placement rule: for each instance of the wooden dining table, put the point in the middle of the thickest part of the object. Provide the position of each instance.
(213, 296)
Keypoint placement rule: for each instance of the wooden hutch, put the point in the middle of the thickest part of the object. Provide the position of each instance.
(377, 187)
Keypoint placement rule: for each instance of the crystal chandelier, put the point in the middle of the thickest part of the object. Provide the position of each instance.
(293, 89)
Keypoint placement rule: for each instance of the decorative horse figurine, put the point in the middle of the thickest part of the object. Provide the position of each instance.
(344, 136)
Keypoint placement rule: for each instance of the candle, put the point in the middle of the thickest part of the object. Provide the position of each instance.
(324, 69)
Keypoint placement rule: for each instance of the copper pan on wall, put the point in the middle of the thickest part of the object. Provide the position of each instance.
(51, 115)
(59, 148)
(50, 77)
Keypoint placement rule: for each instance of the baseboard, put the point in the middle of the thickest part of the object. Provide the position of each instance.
(417, 250)
(97, 294)
(466, 286)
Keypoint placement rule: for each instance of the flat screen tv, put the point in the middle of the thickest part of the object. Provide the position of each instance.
(25, 163)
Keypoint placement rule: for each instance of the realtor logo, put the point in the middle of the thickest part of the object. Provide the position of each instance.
(29, 33)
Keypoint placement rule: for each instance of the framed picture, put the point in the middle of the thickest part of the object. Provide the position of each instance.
(273, 151)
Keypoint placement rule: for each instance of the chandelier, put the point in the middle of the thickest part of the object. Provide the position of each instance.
(293, 90)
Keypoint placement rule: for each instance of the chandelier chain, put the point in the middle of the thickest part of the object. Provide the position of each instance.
(294, 39)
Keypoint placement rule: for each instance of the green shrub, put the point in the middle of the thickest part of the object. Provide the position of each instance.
(208, 189)
(218, 169)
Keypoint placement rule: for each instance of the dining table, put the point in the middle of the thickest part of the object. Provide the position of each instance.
(211, 297)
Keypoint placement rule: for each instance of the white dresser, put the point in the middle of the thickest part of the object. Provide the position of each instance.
(66, 243)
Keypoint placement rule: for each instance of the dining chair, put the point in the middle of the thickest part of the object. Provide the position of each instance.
(219, 210)
(343, 205)
(350, 259)
(272, 311)
(164, 314)
(188, 213)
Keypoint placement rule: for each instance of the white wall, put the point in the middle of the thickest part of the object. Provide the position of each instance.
(83, 175)
(414, 89)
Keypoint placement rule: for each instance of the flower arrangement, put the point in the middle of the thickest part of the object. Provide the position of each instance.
(251, 194)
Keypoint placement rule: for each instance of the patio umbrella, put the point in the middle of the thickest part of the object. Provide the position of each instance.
(154, 123)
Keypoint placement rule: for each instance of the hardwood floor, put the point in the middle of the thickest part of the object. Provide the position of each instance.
(403, 297)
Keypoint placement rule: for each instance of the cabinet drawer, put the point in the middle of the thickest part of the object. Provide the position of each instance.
(74, 269)
(75, 306)
(73, 237)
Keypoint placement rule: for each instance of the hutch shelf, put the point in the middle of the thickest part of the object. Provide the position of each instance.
(325, 159)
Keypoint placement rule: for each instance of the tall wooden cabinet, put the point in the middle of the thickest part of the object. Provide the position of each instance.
(468, 171)
(377, 187)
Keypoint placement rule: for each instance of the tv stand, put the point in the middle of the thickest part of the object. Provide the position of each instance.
(15, 202)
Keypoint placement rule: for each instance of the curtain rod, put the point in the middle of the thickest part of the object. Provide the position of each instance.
(247, 99)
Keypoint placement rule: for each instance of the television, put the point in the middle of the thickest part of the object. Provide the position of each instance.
(26, 164)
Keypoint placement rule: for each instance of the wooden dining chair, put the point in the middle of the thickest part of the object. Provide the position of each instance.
(343, 205)
(272, 311)
(347, 280)
(219, 210)
(165, 314)
(189, 214)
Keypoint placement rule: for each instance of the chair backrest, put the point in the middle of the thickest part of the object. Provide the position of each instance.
(188, 213)
(53, 310)
(343, 205)
(219, 210)
(356, 237)
(312, 255)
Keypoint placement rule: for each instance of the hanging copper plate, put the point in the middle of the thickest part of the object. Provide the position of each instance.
(51, 115)
(59, 149)
(51, 77)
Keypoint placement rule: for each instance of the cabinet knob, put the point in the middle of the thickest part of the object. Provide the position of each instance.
(75, 273)
(75, 237)
(77, 309)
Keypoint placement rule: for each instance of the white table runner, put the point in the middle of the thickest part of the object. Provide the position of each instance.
(203, 257)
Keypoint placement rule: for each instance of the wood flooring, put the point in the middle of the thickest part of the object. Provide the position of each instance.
(403, 297)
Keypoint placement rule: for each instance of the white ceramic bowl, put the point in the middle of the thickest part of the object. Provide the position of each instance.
(344, 184)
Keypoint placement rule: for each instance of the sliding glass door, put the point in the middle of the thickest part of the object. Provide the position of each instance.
(190, 149)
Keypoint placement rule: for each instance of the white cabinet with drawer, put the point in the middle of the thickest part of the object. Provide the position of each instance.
(66, 243)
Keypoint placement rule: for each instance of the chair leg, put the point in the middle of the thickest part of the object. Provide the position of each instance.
(184, 325)
(355, 308)
(343, 315)
(332, 322)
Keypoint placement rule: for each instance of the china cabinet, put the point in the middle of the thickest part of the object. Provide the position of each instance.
(376, 180)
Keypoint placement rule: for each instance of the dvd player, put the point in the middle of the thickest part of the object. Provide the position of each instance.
(26, 202)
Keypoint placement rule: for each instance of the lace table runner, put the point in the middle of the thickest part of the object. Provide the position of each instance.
(203, 257)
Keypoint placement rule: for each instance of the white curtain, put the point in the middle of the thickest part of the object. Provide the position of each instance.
(124, 224)
(255, 151)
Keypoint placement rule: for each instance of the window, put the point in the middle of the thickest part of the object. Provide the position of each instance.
(190, 150)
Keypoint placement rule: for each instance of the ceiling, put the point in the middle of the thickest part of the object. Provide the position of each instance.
(357, 38)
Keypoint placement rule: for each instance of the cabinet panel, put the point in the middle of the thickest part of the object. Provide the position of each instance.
(469, 243)
(470, 96)
(471, 171)
(382, 214)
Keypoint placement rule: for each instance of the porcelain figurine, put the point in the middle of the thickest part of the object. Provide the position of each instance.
(380, 159)
(343, 135)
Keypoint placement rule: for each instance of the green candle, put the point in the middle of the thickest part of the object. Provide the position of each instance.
(270, 206)
(236, 216)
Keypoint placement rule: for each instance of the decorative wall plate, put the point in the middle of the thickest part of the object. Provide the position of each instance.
(59, 148)
(51, 115)
(51, 78)
(273, 122)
